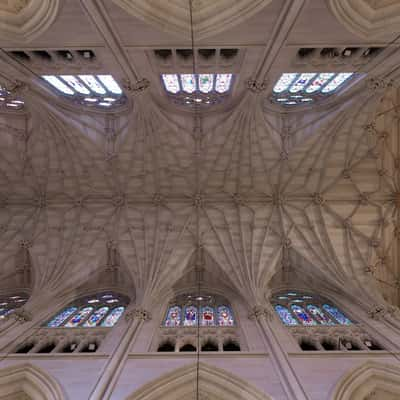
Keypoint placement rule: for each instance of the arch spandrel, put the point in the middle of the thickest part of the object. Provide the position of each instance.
(215, 383)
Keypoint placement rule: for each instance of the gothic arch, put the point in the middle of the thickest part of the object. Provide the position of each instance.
(28, 380)
(25, 20)
(215, 383)
(367, 19)
(371, 380)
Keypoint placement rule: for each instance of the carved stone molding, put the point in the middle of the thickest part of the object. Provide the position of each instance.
(261, 311)
(377, 84)
(380, 311)
(136, 87)
(21, 315)
(138, 313)
(256, 86)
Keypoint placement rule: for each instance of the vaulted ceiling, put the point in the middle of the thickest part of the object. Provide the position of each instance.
(267, 195)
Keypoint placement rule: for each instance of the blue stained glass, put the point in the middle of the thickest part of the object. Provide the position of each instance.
(60, 318)
(190, 316)
(79, 317)
(96, 317)
(225, 316)
(285, 315)
(319, 315)
(301, 82)
(340, 317)
(301, 314)
(173, 317)
(207, 316)
(113, 317)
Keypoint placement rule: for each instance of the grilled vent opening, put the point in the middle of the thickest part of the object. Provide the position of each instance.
(44, 55)
(228, 54)
(21, 55)
(207, 53)
(164, 54)
(87, 54)
(184, 53)
(305, 52)
(329, 52)
(65, 54)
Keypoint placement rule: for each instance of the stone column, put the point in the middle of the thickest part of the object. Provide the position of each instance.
(287, 375)
(110, 374)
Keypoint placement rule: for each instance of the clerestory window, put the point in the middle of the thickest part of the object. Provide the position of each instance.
(102, 309)
(293, 89)
(307, 310)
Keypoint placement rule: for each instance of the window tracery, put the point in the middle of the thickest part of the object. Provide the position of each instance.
(304, 88)
(300, 309)
(100, 310)
(197, 89)
(100, 91)
(210, 316)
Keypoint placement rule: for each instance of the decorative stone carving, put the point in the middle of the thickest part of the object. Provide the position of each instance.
(318, 199)
(380, 311)
(138, 313)
(198, 200)
(136, 87)
(21, 315)
(256, 86)
(377, 84)
(261, 311)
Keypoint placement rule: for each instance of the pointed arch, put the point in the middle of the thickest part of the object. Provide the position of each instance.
(369, 379)
(31, 381)
(215, 383)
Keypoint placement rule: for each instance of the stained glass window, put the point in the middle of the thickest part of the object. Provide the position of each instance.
(339, 316)
(212, 312)
(102, 309)
(190, 316)
(207, 316)
(302, 316)
(60, 318)
(188, 82)
(225, 316)
(100, 91)
(294, 308)
(79, 317)
(303, 88)
(171, 83)
(285, 315)
(113, 317)
(96, 317)
(197, 89)
(321, 317)
(173, 316)
(206, 82)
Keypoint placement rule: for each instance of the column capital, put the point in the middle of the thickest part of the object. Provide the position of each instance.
(261, 311)
(138, 313)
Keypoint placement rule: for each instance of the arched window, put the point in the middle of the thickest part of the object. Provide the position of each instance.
(293, 89)
(8, 304)
(300, 309)
(102, 309)
(214, 311)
